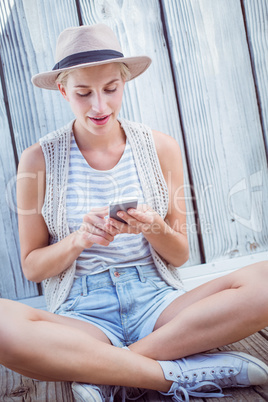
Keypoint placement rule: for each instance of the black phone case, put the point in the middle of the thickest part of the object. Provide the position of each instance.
(123, 206)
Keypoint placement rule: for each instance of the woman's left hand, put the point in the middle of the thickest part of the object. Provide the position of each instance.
(141, 220)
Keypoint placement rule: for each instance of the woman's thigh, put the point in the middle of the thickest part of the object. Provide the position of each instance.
(253, 276)
(87, 327)
(17, 312)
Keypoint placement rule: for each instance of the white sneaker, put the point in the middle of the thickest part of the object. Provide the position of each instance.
(93, 393)
(201, 373)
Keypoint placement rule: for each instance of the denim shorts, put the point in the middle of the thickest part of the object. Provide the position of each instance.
(124, 303)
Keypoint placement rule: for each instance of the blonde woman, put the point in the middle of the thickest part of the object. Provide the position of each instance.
(118, 313)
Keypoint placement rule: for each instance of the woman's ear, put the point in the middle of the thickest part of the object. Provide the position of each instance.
(63, 91)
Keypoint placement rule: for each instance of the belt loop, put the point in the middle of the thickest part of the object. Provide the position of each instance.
(140, 272)
(84, 285)
(111, 272)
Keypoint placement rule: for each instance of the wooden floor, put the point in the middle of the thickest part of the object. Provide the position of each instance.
(14, 387)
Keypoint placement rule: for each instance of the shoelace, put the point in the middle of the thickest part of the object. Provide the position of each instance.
(223, 379)
(107, 393)
(112, 394)
(178, 392)
(226, 379)
(125, 394)
(184, 388)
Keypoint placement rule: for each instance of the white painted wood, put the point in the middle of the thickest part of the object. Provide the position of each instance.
(199, 274)
(36, 302)
(149, 98)
(12, 282)
(221, 124)
(29, 33)
(256, 20)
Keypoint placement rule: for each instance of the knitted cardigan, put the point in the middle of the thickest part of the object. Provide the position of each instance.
(56, 149)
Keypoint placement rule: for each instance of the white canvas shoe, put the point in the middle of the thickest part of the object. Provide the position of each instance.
(199, 374)
(93, 393)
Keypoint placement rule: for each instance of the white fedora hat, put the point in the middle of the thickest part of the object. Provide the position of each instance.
(85, 46)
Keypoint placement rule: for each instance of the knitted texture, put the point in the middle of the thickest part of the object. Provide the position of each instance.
(153, 185)
(56, 149)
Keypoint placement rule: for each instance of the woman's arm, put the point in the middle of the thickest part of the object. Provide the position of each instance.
(171, 241)
(168, 237)
(39, 259)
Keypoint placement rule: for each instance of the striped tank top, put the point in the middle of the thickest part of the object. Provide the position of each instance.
(90, 188)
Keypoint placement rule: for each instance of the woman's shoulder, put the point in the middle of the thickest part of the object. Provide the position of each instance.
(32, 159)
(62, 133)
(166, 146)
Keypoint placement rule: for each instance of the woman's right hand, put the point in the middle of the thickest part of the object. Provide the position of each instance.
(95, 230)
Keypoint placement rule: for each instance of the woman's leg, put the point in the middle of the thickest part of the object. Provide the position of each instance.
(49, 347)
(217, 313)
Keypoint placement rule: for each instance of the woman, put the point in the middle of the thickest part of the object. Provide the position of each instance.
(112, 283)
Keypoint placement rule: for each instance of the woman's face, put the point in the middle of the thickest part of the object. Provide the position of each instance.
(95, 95)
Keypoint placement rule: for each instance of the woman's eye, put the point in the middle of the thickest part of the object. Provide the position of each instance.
(87, 94)
(109, 91)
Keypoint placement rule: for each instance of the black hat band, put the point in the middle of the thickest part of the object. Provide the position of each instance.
(87, 57)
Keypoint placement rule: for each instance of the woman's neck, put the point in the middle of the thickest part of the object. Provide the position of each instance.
(88, 141)
(102, 152)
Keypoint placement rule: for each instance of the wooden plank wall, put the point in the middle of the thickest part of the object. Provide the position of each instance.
(12, 282)
(206, 88)
(221, 123)
(256, 17)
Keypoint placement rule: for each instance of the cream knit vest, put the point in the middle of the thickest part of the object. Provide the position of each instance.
(56, 149)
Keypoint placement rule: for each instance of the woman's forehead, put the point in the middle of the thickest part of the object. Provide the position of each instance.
(89, 75)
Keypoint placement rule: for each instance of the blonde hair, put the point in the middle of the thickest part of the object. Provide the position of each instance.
(124, 71)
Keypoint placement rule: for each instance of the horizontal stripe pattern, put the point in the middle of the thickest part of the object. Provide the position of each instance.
(90, 188)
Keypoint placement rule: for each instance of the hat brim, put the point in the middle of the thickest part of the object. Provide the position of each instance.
(137, 65)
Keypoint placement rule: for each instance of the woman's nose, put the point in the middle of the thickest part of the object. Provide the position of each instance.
(98, 104)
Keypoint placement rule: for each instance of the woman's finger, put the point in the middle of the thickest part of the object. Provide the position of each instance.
(91, 230)
(125, 227)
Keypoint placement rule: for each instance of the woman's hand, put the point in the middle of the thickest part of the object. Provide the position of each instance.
(95, 229)
(141, 220)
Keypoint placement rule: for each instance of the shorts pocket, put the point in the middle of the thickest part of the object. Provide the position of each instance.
(157, 283)
(69, 305)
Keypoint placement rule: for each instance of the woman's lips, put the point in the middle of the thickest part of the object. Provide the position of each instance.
(100, 121)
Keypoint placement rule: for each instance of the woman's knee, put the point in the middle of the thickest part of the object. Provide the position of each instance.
(258, 273)
(256, 276)
(13, 316)
(7, 308)
(251, 275)
(6, 333)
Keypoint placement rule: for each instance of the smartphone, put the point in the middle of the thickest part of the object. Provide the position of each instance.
(121, 204)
